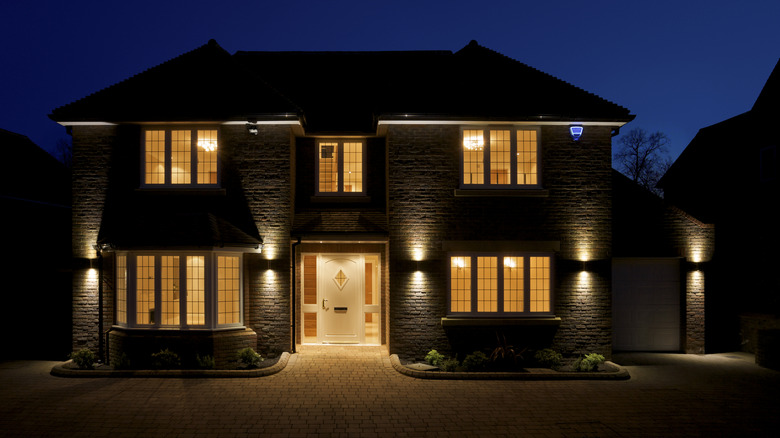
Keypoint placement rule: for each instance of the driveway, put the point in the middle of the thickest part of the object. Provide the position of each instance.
(354, 391)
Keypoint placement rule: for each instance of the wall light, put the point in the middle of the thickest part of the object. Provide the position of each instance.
(575, 131)
(251, 128)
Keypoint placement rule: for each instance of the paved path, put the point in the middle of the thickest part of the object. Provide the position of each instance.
(354, 391)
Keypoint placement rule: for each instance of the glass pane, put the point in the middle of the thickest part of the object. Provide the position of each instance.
(196, 292)
(310, 327)
(372, 280)
(169, 294)
(154, 157)
(473, 156)
(460, 284)
(121, 289)
(207, 156)
(500, 150)
(228, 290)
(526, 157)
(539, 274)
(513, 284)
(309, 279)
(372, 328)
(328, 167)
(353, 167)
(144, 293)
(181, 157)
(487, 284)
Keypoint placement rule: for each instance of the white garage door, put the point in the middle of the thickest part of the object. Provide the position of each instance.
(646, 304)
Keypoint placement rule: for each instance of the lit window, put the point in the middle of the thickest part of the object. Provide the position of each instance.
(174, 290)
(500, 158)
(340, 166)
(500, 284)
(180, 157)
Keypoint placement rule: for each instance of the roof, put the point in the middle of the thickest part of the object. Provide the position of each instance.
(342, 92)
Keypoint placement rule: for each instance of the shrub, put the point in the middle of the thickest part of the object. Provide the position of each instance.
(549, 358)
(205, 363)
(588, 363)
(165, 360)
(249, 357)
(448, 364)
(83, 358)
(475, 361)
(121, 362)
(434, 357)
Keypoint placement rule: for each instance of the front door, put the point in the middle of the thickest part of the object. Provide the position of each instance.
(341, 285)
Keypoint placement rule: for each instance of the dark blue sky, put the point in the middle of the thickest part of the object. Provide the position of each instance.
(678, 65)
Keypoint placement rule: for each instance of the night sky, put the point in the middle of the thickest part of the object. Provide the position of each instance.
(678, 65)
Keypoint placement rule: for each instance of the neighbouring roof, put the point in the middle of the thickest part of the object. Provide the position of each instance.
(341, 91)
(21, 168)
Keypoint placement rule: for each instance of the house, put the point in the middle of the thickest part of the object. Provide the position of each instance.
(415, 199)
(727, 176)
(35, 205)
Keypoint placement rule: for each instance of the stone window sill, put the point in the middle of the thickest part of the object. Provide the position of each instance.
(508, 193)
(501, 322)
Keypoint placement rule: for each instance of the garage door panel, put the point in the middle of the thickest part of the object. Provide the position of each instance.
(646, 304)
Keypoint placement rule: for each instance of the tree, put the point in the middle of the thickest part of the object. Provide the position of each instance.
(63, 151)
(643, 157)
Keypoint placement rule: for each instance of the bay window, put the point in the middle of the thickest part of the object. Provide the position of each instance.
(500, 284)
(500, 158)
(178, 290)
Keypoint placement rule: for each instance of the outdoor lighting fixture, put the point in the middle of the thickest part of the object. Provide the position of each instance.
(575, 131)
(251, 128)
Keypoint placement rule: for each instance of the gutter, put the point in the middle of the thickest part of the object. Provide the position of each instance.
(292, 297)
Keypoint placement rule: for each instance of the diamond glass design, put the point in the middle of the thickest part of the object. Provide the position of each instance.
(341, 279)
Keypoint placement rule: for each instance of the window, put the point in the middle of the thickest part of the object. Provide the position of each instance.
(340, 167)
(178, 290)
(180, 157)
(492, 284)
(500, 158)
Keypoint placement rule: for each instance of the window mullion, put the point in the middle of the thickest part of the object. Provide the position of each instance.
(340, 166)
(526, 284)
(194, 157)
(168, 157)
(500, 283)
(157, 290)
(132, 276)
(183, 291)
(474, 284)
(486, 156)
(513, 157)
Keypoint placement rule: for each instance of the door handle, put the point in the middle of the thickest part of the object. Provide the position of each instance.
(323, 303)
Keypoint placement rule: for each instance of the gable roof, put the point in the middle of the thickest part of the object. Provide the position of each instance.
(342, 91)
(205, 84)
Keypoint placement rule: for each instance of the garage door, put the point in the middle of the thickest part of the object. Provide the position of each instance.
(646, 304)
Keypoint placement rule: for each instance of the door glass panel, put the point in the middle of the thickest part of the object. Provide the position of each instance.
(372, 328)
(309, 327)
(310, 279)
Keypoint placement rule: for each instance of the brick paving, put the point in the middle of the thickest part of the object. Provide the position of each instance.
(354, 391)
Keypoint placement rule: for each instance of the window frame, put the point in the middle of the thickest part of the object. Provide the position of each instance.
(210, 290)
(500, 285)
(340, 166)
(194, 162)
(512, 185)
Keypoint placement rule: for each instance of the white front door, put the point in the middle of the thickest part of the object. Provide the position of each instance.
(341, 285)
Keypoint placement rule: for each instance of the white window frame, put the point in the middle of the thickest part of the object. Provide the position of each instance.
(500, 289)
(340, 167)
(210, 290)
(513, 185)
(193, 157)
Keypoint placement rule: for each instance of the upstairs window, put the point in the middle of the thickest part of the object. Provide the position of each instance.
(500, 158)
(180, 157)
(500, 284)
(340, 167)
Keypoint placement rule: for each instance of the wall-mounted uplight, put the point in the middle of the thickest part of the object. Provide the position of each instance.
(575, 131)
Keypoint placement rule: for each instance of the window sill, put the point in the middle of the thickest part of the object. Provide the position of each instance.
(360, 199)
(190, 191)
(498, 322)
(509, 193)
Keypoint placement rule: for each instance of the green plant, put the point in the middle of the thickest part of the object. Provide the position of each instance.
(249, 357)
(549, 358)
(205, 363)
(83, 358)
(434, 357)
(121, 362)
(475, 361)
(505, 354)
(165, 360)
(448, 364)
(588, 363)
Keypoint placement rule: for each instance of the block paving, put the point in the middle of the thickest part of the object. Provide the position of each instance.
(354, 391)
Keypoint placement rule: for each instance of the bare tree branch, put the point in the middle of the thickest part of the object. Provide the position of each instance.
(643, 157)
